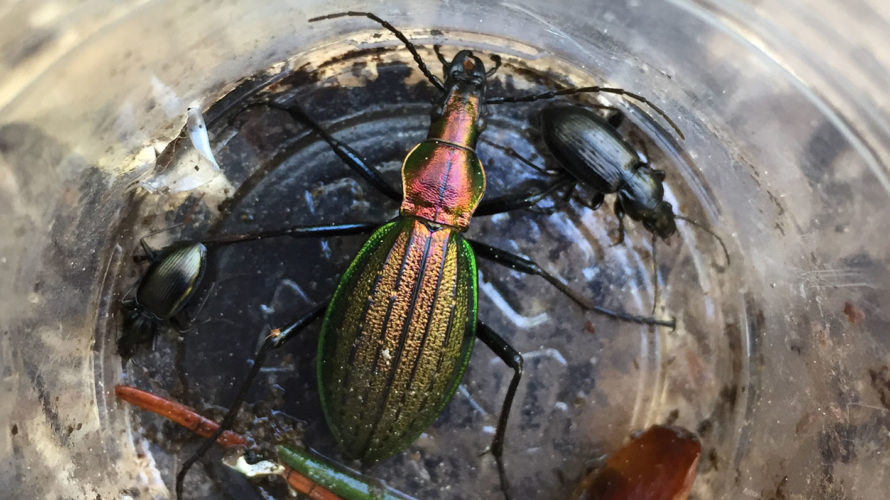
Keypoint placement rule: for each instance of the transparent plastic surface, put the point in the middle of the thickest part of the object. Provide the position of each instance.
(779, 361)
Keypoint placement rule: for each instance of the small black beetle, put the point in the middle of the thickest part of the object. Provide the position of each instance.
(167, 286)
(592, 151)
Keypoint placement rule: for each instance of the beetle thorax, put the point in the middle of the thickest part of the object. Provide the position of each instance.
(442, 178)
(443, 183)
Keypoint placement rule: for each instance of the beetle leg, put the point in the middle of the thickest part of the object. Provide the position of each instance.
(594, 203)
(351, 157)
(642, 149)
(513, 359)
(438, 50)
(592, 89)
(275, 340)
(181, 322)
(558, 204)
(295, 232)
(530, 199)
(597, 200)
(515, 155)
(619, 212)
(516, 201)
(150, 252)
(658, 175)
(528, 266)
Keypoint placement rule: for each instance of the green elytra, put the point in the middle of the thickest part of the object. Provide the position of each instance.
(400, 328)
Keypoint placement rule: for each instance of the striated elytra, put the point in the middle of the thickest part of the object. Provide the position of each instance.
(166, 288)
(172, 279)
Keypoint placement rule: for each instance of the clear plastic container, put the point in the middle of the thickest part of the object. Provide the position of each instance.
(779, 361)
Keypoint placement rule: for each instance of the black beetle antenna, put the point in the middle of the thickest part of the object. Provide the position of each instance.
(410, 46)
(442, 59)
(592, 89)
(497, 64)
(709, 231)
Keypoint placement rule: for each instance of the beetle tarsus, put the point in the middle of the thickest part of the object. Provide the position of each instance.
(513, 359)
(271, 342)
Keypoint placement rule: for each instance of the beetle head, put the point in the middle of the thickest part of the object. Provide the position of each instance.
(466, 70)
(661, 221)
(138, 326)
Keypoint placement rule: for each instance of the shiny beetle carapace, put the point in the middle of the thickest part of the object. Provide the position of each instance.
(167, 286)
(591, 150)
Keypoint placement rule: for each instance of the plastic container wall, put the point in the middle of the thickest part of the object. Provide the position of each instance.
(779, 363)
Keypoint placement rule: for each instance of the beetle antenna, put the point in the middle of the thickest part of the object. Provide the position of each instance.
(410, 46)
(507, 150)
(709, 231)
(592, 89)
(497, 64)
(438, 50)
(274, 340)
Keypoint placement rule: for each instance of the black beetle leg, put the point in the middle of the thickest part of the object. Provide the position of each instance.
(275, 340)
(150, 253)
(529, 199)
(129, 299)
(594, 203)
(295, 232)
(516, 201)
(513, 359)
(654, 275)
(515, 155)
(619, 213)
(597, 200)
(438, 50)
(181, 322)
(189, 317)
(351, 157)
(527, 266)
(558, 204)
